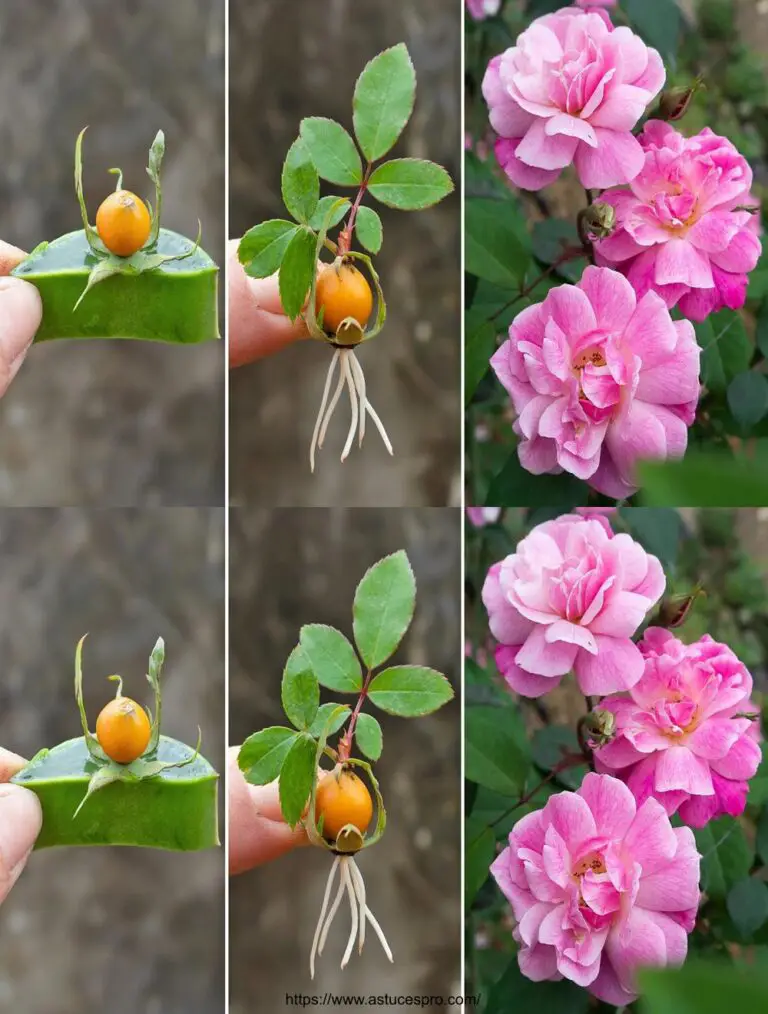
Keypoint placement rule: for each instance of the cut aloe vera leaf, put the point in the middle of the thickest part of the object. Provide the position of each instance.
(176, 810)
(177, 302)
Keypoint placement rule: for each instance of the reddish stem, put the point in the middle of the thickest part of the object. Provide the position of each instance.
(345, 743)
(345, 236)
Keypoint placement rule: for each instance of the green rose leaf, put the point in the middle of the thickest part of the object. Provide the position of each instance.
(332, 151)
(410, 690)
(296, 778)
(479, 347)
(478, 856)
(493, 249)
(261, 249)
(368, 229)
(493, 757)
(323, 207)
(383, 101)
(410, 184)
(296, 271)
(300, 690)
(332, 658)
(383, 608)
(704, 986)
(748, 398)
(368, 736)
(324, 713)
(726, 855)
(300, 183)
(747, 905)
(261, 756)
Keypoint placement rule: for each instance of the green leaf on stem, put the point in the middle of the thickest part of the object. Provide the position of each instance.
(410, 690)
(300, 183)
(383, 608)
(726, 857)
(300, 690)
(410, 184)
(740, 481)
(368, 229)
(747, 905)
(262, 248)
(493, 250)
(725, 349)
(332, 151)
(368, 736)
(748, 398)
(478, 856)
(658, 529)
(514, 486)
(479, 347)
(383, 101)
(493, 756)
(657, 21)
(324, 206)
(297, 776)
(332, 658)
(703, 987)
(513, 993)
(261, 756)
(324, 714)
(297, 271)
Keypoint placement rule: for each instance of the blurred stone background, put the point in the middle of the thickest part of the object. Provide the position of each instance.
(123, 930)
(296, 566)
(112, 423)
(283, 67)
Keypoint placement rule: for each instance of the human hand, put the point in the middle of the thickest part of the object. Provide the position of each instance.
(258, 325)
(257, 831)
(20, 822)
(21, 311)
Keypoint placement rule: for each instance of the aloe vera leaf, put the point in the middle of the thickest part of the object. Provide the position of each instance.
(176, 302)
(177, 809)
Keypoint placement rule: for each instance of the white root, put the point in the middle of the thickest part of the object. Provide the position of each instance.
(334, 908)
(334, 402)
(319, 419)
(326, 896)
(347, 370)
(359, 885)
(369, 407)
(359, 378)
(350, 375)
(372, 918)
(352, 885)
(353, 910)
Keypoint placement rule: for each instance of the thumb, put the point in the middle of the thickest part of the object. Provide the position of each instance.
(20, 823)
(21, 311)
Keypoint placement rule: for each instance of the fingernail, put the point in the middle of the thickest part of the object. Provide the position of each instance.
(20, 823)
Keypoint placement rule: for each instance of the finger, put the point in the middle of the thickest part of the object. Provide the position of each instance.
(21, 311)
(257, 831)
(20, 822)
(10, 763)
(10, 257)
(257, 324)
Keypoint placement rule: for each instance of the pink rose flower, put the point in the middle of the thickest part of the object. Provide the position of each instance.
(481, 516)
(599, 380)
(482, 9)
(570, 597)
(678, 737)
(679, 230)
(599, 887)
(570, 90)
